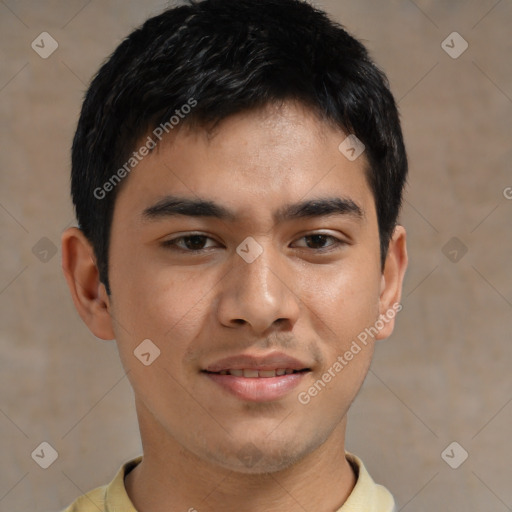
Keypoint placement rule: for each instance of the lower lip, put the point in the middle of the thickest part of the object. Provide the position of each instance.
(259, 389)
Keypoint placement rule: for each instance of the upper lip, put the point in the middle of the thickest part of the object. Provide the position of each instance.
(273, 361)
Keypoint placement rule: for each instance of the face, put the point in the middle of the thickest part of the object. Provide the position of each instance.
(250, 259)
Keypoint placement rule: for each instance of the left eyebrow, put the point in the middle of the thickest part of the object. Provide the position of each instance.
(320, 208)
(171, 206)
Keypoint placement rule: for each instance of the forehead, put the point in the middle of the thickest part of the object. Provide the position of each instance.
(252, 162)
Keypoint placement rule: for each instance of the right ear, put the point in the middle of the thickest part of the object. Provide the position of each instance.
(89, 294)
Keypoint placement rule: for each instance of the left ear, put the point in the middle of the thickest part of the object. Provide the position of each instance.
(391, 281)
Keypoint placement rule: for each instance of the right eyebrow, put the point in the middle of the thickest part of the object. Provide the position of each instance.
(171, 206)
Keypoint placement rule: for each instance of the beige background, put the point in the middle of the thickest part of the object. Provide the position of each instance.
(444, 375)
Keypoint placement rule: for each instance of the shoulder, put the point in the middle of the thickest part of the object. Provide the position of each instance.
(93, 501)
(367, 496)
(108, 497)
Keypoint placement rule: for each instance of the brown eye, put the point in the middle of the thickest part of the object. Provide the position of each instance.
(195, 242)
(317, 241)
(189, 243)
(320, 241)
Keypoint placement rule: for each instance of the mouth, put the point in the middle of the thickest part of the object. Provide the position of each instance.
(251, 373)
(257, 379)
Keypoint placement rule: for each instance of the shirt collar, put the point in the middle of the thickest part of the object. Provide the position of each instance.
(367, 496)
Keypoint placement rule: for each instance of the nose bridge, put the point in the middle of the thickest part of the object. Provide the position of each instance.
(257, 277)
(257, 293)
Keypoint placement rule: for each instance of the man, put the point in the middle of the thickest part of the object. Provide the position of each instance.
(237, 174)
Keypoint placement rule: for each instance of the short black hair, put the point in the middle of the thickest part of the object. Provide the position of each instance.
(226, 57)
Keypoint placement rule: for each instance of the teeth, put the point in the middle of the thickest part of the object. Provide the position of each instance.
(253, 374)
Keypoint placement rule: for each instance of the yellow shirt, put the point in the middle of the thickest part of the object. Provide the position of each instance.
(367, 496)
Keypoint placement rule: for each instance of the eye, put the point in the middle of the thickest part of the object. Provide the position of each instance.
(318, 241)
(189, 243)
(197, 243)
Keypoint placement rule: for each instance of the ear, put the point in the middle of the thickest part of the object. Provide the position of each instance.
(82, 275)
(391, 281)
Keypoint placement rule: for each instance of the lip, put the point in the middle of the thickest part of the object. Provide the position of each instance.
(272, 361)
(258, 389)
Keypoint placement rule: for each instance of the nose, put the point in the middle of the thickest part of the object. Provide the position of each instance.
(259, 294)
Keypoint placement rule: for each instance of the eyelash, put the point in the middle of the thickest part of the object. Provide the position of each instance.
(172, 244)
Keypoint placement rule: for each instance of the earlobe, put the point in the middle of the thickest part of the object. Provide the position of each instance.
(392, 281)
(88, 293)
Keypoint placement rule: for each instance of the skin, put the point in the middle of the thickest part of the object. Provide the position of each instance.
(297, 298)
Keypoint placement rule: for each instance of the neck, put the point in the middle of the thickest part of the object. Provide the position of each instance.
(171, 477)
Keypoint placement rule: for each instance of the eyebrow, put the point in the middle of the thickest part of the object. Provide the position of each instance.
(171, 206)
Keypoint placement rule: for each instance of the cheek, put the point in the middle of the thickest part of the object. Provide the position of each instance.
(152, 298)
(170, 309)
(344, 300)
(340, 310)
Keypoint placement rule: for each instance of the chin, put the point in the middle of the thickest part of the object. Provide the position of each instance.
(260, 457)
